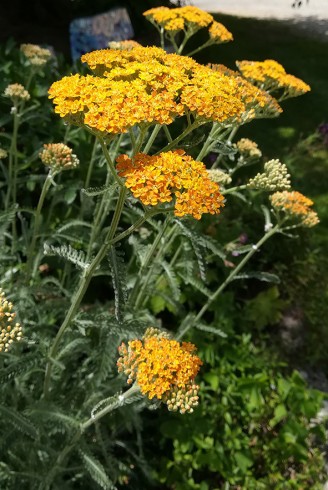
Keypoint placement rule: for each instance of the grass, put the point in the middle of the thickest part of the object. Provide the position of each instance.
(302, 56)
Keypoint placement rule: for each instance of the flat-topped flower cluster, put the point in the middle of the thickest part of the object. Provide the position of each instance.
(157, 179)
(146, 86)
(163, 369)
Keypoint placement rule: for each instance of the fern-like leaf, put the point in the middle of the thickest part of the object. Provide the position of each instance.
(171, 278)
(118, 271)
(96, 471)
(197, 248)
(193, 281)
(19, 421)
(98, 191)
(77, 257)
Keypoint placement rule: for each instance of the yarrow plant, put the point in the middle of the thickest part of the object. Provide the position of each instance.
(152, 120)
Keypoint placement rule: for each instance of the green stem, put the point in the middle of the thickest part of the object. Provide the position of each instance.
(91, 164)
(188, 130)
(205, 45)
(83, 286)
(152, 137)
(233, 273)
(208, 141)
(142, 296)
(149, 255)
(37, 218)
(167, 132)
(182, 45)
(98, 216)
(231, 136)
(234, 189)
(110, 161)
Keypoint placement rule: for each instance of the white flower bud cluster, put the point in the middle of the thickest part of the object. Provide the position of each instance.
(36, 55)
(16, 92)
(274, 178)
(219, 176)
(9, 330)
(182, 400)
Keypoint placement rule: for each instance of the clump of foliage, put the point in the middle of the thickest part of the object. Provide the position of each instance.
(254, 429)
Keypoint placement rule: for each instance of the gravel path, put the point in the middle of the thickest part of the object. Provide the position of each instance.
(311, 17)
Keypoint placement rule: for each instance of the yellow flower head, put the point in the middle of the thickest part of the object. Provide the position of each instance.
(158, 179)
(9, 330)
(58, 156)
(145, 86)
(219, 33)
(271, 76)
(257, 102)
(296, 206)
(163, 369)
(189, 18)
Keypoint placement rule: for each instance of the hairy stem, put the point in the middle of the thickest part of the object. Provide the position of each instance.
(37, 220)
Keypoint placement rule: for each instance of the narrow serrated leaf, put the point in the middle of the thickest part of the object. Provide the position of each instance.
(19, 421)
(209, 329)
(96, 471)
(77, 257)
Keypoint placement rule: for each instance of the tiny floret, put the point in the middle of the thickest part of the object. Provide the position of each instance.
(58, 156)
(10, 330)
(163, 368)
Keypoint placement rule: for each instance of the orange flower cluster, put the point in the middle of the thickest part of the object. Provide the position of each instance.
(219, 33)
(58, 156)
(156, 179)
(145, 86)
(296, 205)
(189, 18)
(163, 369)
(271, 76)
